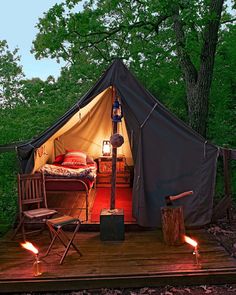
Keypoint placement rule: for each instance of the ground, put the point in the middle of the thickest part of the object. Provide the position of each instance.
(168, 290)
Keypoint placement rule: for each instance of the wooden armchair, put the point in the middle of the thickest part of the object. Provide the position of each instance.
(32, 201)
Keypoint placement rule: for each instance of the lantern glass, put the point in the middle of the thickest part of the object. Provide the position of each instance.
(106, 148)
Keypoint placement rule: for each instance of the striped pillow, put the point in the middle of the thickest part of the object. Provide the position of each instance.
(74, 158)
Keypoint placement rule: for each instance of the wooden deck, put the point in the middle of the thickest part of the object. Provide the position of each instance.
(141, 260)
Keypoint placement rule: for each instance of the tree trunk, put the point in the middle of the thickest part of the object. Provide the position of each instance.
(197, 98)
(198, 82)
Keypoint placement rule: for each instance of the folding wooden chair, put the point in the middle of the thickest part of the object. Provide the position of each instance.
(32, 201)
(57, 229)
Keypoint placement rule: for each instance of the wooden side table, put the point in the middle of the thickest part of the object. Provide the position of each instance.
(105, 172)
(105, 164)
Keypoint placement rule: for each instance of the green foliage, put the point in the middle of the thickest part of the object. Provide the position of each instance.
(8, 190)
(10, 76)
(222, 124)
(150, 36)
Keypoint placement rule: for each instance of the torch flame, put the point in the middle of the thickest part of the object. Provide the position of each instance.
(29, 246)
(190, 241)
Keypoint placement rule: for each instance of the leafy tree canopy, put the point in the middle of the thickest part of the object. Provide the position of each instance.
(153, 37)
(11, 75)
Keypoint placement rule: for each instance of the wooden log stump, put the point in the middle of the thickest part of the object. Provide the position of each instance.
(173, 225)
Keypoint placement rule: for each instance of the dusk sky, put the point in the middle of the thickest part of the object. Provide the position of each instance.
(17, 27)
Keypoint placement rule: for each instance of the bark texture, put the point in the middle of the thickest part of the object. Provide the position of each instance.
(198, 81)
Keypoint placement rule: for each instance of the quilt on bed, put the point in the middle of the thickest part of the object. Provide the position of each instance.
(82, 172)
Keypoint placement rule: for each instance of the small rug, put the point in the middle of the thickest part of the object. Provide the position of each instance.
(123, 201)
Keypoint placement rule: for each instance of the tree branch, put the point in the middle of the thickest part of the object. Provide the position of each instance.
(115, 30)
(101, 53)
(228, 21)
(160, 20)
(66, 53)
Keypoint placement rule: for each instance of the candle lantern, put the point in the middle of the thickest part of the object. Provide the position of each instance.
(106, 148)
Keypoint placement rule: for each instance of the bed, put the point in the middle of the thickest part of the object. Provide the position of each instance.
(71, 172)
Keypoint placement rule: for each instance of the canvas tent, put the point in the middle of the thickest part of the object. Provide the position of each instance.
(168, 156)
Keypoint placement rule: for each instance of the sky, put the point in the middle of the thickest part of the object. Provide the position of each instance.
(17, 26)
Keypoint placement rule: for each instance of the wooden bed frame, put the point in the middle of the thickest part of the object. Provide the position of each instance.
(78, 185)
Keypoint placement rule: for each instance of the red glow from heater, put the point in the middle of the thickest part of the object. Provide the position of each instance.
(190, 241)
(29, 246)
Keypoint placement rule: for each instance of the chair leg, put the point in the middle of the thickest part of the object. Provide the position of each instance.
(54, 235)
(70, 244)
(86, 206)
(23, 230)
(50, 246)
(71, 239)
(18, 228)
(60, 234)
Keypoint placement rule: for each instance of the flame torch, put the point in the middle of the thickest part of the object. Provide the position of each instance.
(37, 266)
(195, 245)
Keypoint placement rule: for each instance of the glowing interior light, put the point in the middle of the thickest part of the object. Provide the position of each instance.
(106, 148)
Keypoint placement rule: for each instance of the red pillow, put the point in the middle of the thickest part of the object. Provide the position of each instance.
(89, 160)
(74, 158)
(59, 159)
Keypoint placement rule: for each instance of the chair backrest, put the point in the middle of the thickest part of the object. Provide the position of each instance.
(31, 191)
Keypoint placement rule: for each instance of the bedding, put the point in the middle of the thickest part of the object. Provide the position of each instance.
(65, 178)
(73, 171)
(88, 171)
(74, 158)
(70, 171)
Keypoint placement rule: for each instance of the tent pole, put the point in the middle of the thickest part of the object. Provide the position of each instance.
(113, 178)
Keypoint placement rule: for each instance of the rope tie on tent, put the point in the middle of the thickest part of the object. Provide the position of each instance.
(205, 148)
(79, 112)
(144, 122)
(132, 138)
(138, 183)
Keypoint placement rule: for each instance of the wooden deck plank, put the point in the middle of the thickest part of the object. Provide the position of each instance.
(141, 255)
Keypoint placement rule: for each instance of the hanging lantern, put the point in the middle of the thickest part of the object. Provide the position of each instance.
(117, 112)
(106, 148)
